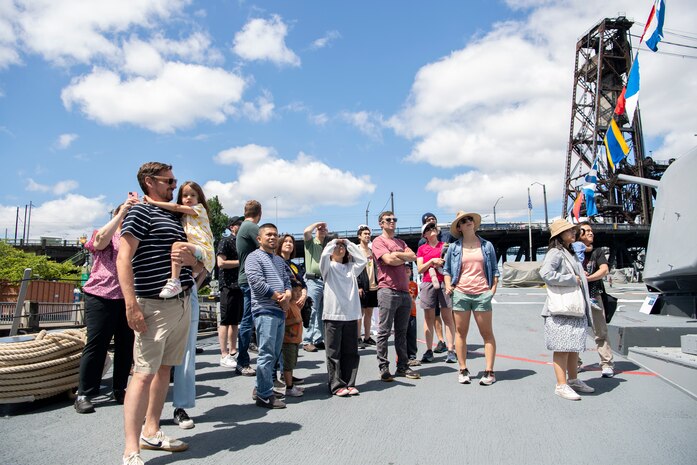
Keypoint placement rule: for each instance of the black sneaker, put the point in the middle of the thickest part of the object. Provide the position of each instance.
(385, 375)
(270, 402)
(361, 344)
(320, 346)
(84, 405)
(427, 357)
(407, 373)
(370, 341)
(440, 347)
(182, 419)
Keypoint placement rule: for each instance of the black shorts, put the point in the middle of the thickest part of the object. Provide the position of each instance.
(370, 299)
(231, 306)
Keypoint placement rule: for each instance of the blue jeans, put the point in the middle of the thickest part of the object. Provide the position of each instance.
(184, 388)
(270, 331)
(244, 336)
(314, 333)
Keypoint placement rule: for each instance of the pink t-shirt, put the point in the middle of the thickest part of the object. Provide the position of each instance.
(390, 277)
(427, 252)
(473, 277)
(103, 280)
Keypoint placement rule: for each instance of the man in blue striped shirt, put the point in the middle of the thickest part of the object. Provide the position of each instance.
(269, 282)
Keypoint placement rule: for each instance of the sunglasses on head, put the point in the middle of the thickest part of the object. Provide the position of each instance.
(390, 220)
(166, 180)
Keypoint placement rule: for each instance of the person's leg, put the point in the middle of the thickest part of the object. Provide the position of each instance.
(572, 365)
(429, 324)
(237, 304)
(267, 329)
(332, 342)
(412, 347)
(367, 320)
(158, 393)
(401, 322)
(349, 353)
(387, 303)
(446, 314)
(315, 291)
(184, 388)
(99, 318)
(485, 325)
(438, 323)
(123, 349)
(600, 331)
(245, 332)
(224, 327)
(560, 361)
(134, 408)
(461, 317)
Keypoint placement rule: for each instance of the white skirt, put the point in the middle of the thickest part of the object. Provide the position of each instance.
(565, 333)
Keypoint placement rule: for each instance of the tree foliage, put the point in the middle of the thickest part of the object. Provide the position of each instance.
(217, 218)
(14, 261)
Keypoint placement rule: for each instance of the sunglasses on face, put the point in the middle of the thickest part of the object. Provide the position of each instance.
(389, 220)
(465, 219)
(166, 180)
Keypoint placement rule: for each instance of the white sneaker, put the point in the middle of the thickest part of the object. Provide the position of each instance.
(172, 289)
(295, 391)
(228, 361)
(133, 459)
(488, 379)
(464, 377)
(565, 392)
(579, 386)
(607, 372)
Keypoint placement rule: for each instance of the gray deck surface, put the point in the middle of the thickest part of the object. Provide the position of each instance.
(633, 418)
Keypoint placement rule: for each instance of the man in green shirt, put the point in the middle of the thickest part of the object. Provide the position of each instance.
(313, 338)
(246, 243)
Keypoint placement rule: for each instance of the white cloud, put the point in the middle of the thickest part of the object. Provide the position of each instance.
(141, 58)
(262, 39)
(60, 188)
(263, 175)
(369, 123)
(65, 140)
(8, 36)
(319, 119)
(70, 31)
(197, 48)
(328, 38)
(68, 217)
(502, 104)
(261, 110)
(177, 97)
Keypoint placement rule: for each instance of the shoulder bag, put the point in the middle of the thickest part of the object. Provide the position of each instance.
(566, 300)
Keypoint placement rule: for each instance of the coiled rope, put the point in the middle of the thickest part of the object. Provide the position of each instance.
(47, 366)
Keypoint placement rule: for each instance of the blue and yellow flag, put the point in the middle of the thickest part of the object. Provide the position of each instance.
(615, 145)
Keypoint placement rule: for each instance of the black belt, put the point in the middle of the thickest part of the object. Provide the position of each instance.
(313, 276)
(182, 294)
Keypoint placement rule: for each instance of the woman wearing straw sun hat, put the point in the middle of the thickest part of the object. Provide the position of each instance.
(565, 335)
(471, 275)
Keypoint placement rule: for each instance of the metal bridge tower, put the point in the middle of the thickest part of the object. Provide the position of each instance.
(603, 61)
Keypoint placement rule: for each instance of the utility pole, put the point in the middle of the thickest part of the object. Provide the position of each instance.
(392, 201)
(16, 225)
(366, 213)
(24, 225)
(29, 223)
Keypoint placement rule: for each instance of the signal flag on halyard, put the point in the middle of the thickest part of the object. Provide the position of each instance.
(653, 31)
(576, 209)
(615, 146)
(629, 98)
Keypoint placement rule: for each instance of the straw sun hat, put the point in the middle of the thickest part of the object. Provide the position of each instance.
(559, 226)
(461, 214)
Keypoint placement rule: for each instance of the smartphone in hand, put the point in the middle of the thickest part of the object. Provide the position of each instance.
(133, 195)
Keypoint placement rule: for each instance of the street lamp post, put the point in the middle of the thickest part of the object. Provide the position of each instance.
(496, 203)
(544, 196)
(275, 197)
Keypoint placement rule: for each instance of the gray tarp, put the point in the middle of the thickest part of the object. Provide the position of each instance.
(522, 274)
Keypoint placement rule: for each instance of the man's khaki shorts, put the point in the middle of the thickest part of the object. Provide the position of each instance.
(164, 343)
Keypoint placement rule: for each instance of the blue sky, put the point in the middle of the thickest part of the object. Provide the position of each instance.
(318, 108)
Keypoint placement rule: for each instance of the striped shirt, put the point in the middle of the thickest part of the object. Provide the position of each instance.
(157, 230)
(266, 273)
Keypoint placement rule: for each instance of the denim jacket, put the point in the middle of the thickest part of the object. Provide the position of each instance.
(453, 261)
